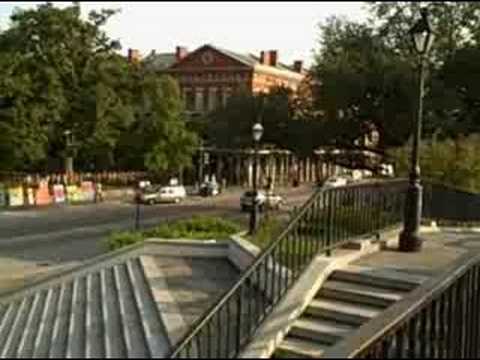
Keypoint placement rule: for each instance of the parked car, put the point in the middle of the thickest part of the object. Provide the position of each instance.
(335, 182)
(266, 200)
(163, 194)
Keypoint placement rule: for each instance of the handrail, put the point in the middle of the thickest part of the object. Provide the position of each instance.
(381, 335)
(324, 207)
(264, 254)
(433, 182)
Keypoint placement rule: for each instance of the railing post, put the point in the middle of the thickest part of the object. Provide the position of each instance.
(329, 222)
(239, 320)
(318, 229)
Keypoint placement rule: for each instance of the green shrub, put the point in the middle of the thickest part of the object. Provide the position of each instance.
(198, 227)
(454, 162)
(119, 239)
(268, 231)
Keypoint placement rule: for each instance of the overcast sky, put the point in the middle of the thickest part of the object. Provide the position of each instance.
(289, 27)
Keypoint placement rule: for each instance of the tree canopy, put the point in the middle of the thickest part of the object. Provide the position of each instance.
(285, 124)
(367, 74)
(63, 73)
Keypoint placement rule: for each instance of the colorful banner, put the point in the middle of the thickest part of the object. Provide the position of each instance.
(74, 194)
(59, 193)
(43, 194)
(88, 191)
(3, 197)
(15, 196)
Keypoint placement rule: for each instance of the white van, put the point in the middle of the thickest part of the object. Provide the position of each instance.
(164, 194)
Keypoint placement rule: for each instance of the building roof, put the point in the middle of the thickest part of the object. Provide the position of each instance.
(127, 304)
(249, 59)
(246, 59)
(160, 61)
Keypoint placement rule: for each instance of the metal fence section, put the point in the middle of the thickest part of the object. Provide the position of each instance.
(440, 319)
(448, 205)
(329, 219)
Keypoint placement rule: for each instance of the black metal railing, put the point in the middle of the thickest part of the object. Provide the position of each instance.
(447, 205)
(440, 319)
(329, 219)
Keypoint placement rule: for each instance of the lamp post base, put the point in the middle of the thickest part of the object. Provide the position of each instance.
(253, 220)
(410, 242)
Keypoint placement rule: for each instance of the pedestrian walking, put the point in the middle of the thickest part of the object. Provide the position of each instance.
(98, 192)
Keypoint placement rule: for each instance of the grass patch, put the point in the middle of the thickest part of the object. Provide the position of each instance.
(119, 239)
(198, 227)
(268, 230)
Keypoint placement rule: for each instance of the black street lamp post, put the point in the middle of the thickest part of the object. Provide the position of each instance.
(257, 132)
(410, 240)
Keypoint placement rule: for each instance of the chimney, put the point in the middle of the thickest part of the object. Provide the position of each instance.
(298, 66)
(180, 52)
(264, 57)
(133, 55)
(273, 57)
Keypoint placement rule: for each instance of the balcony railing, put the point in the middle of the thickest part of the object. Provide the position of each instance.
(329, 219)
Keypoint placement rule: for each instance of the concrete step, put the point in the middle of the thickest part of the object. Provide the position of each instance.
(343, 312)
(297, 348)
(383, 278)
(319, 330)
(356, 293)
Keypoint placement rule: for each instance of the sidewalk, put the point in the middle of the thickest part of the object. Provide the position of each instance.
(15, 273)
(439, 250)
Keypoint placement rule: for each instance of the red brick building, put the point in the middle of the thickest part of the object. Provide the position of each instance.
(209, 75)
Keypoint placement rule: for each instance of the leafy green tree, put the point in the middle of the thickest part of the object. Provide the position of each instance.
(363, 84)
(284, 128)
(53, 61)
(367, 72)
(111, 111)
(454, 162)
(230, 126)
(456, 25)
(457, 103)
(158, 139)
(63, 73)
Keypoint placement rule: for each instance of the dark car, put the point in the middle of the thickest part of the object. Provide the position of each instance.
(209, 188)
(265, 200)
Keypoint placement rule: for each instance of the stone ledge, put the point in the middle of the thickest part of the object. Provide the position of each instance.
(242, 252)
(186, 248)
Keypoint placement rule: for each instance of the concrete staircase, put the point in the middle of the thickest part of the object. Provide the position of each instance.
(349, 298)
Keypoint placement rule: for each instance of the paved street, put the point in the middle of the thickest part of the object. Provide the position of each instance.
(36, 241)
